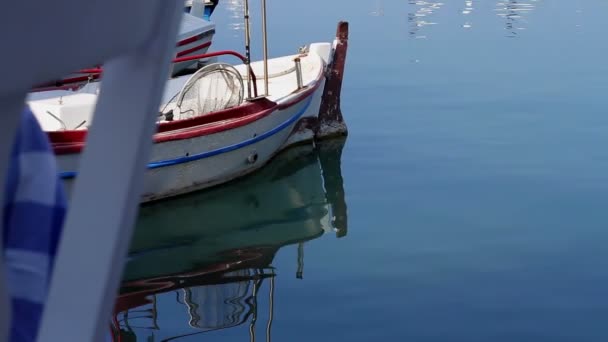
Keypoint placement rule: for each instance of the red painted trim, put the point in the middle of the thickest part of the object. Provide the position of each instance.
(78, 79)
(95, 73)
(192, 39)
(189, 40)
(192, 49)
(67, 142)
(70, 142)
(98, 70)
(212, 128)
(66, 137)
(211, 54)
(90, 71)
(247, 109)
(224, 120)
(64, 82)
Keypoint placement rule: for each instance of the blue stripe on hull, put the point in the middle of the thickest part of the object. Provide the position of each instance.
(225, 149)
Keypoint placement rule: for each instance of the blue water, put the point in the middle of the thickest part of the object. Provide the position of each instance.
(473, 187)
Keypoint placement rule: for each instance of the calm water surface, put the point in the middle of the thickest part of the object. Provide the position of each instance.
(467, 204)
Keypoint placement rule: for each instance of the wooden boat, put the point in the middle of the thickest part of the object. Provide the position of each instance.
(213, 126)
(295, 199)
(194, 38)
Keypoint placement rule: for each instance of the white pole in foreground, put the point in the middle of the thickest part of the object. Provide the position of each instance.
(106, 196)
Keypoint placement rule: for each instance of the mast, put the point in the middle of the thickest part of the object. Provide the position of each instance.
(265, 43)
(248, 49)
(271, 307)
(254, 317)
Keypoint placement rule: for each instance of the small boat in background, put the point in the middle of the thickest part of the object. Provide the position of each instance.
(194, 38)
(213, 125)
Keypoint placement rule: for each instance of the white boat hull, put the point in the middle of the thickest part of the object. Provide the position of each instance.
(205, 161)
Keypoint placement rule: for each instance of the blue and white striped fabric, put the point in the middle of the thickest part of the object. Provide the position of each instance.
(35, 206)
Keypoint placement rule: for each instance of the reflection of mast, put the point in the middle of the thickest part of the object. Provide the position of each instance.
(300, 260)
(254, 316)
(155, 313)
(423, 10)
(512, 11)
(217, 306)
(271, 307)
(330, 155)
(468, 9)
(195, 318)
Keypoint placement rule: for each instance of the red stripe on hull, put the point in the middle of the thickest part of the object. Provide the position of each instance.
(193, 49)
(195, 38)
(68, 83)
(70, 142)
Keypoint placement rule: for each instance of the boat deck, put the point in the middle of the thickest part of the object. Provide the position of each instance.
(69, 110)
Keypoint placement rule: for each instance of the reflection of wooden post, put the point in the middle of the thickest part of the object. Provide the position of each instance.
(155, 313)
(299, 273)
(330, 153)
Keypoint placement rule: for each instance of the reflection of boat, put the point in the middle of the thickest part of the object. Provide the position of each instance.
(218, 305)
(212, 280)
(294, 197)
(195, 305)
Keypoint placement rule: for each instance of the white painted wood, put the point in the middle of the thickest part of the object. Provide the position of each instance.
(99, 223)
